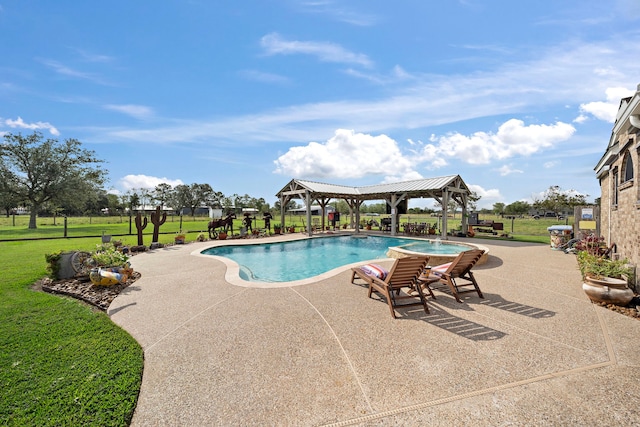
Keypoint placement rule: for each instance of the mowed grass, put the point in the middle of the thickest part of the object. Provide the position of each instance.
(61, 362)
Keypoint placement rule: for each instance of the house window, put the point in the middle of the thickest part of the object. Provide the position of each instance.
(627, 168)
(615, 187)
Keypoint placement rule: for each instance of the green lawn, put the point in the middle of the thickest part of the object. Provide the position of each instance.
(61, 362)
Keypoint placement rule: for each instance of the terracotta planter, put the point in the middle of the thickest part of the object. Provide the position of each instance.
(608, 290)
(222, 236)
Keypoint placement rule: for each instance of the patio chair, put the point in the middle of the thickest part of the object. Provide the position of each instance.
(403, 274)
(453, 273)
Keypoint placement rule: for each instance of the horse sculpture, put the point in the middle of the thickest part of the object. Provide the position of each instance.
(226, 223)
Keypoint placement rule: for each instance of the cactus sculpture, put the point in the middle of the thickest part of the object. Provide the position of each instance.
(157, 221)
(140, 225)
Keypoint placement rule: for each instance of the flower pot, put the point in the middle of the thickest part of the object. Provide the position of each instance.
(179, 240)
(222, 236)
(607, 290)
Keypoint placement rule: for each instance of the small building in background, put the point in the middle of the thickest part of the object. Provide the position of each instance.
(316, 210)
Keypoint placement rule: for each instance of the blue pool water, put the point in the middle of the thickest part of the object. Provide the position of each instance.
(289, 261)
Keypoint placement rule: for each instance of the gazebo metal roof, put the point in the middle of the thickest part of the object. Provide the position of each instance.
(428, 187)
(442, 189)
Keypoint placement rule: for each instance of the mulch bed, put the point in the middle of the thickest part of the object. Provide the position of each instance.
(631, 310)
(81, 288)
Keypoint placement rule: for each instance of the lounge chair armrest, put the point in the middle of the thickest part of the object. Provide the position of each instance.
(378, 281)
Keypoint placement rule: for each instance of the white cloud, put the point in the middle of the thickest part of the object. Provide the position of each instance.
(508, 170)
(137, 111)
(339, 12)
(94, 57)
(274, 44)
(605, 110)
(19, 123)
(487, 196)
(261, 76)
(403, 175)
(131, 182)
(512, 139)
(346, 155)
(71, 72)
(551, 164)
(490, 194)
(565, 74)
(600, 110)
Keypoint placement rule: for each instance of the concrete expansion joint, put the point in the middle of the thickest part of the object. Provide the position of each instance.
(342, 349)
(190, 319)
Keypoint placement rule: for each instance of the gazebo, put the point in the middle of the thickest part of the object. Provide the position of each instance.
(443, 189)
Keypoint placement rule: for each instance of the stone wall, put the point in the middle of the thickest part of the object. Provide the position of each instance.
(620, 223)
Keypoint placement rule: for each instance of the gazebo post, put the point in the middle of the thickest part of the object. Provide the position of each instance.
(465, 219)
(394, 216)
(445, 206)
(307, 197)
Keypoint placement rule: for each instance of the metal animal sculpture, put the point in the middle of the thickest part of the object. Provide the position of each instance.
(225, 223)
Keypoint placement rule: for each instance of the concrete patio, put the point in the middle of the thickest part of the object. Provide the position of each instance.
(534, 351)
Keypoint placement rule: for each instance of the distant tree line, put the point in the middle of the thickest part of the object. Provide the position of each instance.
(49, 178)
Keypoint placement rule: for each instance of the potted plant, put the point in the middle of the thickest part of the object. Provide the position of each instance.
(222, 235)
(605, 280)
(277, 228)
(180, 238)
(292, 229)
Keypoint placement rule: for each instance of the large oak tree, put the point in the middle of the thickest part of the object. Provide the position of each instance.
(38, 171)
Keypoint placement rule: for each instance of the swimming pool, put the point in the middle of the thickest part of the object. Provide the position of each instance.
(303, 259)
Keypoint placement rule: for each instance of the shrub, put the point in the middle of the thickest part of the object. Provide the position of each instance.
(107, 255)
(598, 267)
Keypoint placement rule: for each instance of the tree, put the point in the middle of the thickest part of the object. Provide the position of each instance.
(260, 204)
(131, 200)
(8, 202)
(517, 208)
(39, 171)
(192, 196)
(472, 201)
(555, 199)
(498, 208)
(452, 206)
(180, 197)
(215, 199)
(161, 193)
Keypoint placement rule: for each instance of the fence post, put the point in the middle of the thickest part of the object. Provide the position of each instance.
(65, 226)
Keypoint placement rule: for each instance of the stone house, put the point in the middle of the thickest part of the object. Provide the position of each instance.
(619, 172)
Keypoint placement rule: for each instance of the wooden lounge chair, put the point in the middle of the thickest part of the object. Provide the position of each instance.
(460, 269)
(403, 274)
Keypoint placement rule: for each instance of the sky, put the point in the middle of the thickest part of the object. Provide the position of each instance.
(513, 96)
